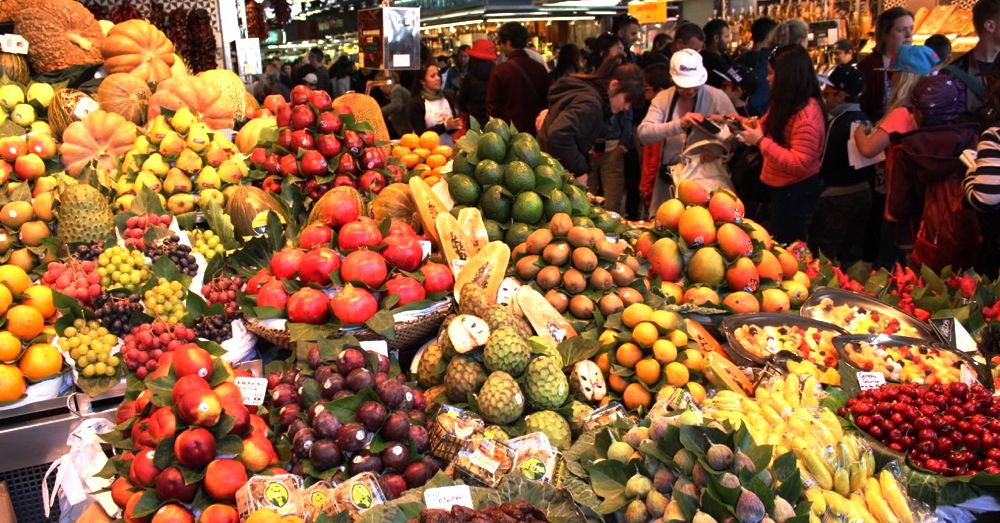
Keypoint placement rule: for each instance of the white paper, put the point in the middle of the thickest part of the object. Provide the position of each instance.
(444, 498)
(425, 246)
(252, 389)
(376, 346)
(400, 60)
(854, 156)
(870, 380)
(457, 266)
(14, 44)
(84, 107)
(968, 157)
(508, 289)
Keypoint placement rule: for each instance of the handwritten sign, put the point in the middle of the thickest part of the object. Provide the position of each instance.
(425, 246)
(444, 498)
(252, 389)
(870, 380)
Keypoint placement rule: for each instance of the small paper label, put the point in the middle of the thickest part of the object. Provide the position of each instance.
(954, 334)
(508, 288)
(400, 60)
(252, 389)
(228, 133)
(870, 380)
(443, 498)
(376, 346)
(425, 245)
(14, 44)
(484, 462)
(457, 266)
(84, 107)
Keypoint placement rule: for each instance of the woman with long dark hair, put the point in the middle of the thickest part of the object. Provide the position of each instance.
(430, 109)
(790, 138)
(568, 61)
(893, 30)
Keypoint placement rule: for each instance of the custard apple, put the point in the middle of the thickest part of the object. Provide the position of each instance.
(506, 351)
(545, 384)
(464, 376)
(496, 433)
(578, 419)
(432, 366)
(555, 427)
(500, 400)
(84, 215)
(473, 300)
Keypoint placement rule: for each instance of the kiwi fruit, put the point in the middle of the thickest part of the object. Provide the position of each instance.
(14, 214)
(584, 259)
(581, 307)
(622, 274)
(556, 253)
(549, 277)
(580, 237)
(527, 267)
(537, 241)
(518, 252)
(560, 224)
(599, 235)
(607, 250)
(557, 300)
(601, 280)
(629, 295)
(632, 262)
(610, 304)
(574, 281)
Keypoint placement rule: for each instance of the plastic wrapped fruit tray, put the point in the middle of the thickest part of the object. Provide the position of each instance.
(909, 360)
(755, 339)
(860, 314)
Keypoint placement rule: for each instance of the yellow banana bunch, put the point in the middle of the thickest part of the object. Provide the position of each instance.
(894, 497)
(877, 504)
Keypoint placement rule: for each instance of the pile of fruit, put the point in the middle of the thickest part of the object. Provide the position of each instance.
(28, 356)
(423, 155)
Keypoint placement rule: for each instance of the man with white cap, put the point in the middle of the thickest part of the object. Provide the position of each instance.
(675, 115)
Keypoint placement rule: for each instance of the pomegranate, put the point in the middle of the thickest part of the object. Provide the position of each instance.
(317, 265)
(363, 232)
(315, 234)
(372, 181)
(344, 181)
(272, 294)
(353, 306)
(286, 262)
(320, 99)
(307, 305)
(403, 252)
(408, 289)
(367, 267)
(437, 278)
(398, 228)
(257, 281)
(338, 207)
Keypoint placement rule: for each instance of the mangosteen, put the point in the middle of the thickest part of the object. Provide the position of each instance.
(418, 435)
(284, 394)
(294, 427)
(417, 417)
(396, 427)
(326, 425)
(417, 474)
(371, 414)
(288, 414)
(435, 464)
(299, 469)
(313, 358)
(419, 400)
(396, 457)
(302, 442)
(394, 485)
(352, 437)
(342, 394)
(383, 364)
(325, 454)
(324, 372)
(365, 462)
(350, 360)
(331, 385)
(359, 379)
(314, 411)
(391, 392)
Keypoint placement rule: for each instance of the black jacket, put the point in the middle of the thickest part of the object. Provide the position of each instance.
(472, 93)
(418, 112)
(577, 116)
(836, 169)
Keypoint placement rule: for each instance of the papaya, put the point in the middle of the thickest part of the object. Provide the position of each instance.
(471, 222)
(724, 375)
(486, 269)
(696, 227)
(669, 213)
(455, 244)
(428, 206)
(733, 241)
(705, 341)
(544, 318)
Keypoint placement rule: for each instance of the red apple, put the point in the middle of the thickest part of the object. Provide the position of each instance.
(303, 117)
(289, 165)
(313, 164)
(300, 94)
(200, 408)
(121, 491)
(329, 122)
(301, 139)
(172, 513)
(254, 283)
(142, 472)
(258, 453)
(223, 477)
(273, 101)
(190, 359)
(320, 99)
(170, 485)
(219, 513)
(328, 145)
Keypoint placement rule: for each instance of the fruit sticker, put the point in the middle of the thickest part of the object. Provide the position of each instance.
(533, 468)
(276, 494)
(319, 500)
(361, 497)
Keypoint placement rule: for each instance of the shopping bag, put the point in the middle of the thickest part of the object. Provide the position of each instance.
(711, 175)
(77, 485)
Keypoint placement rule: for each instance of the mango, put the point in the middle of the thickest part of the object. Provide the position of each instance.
(700, 296)
(759, 233)
(734, 241)
(742, 302)
(775, 300)
(707, 267)
(696, 227)
(669, 213)
(665, 260)
(726, 207)
(743, 276)
(789, 265)
(769, 268)
(692, 193)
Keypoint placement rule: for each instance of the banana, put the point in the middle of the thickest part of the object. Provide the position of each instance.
(838, 505)
(809, 398)
(857, 472)
(842, 482)
(860, 511)
(762, 394)
(816, 467)
(816, 500)
(869, 460)
(877, 504)
(894, 497)
(748, 405)
(770, 414)
(792, 394)
(844, 454)
(830, 421)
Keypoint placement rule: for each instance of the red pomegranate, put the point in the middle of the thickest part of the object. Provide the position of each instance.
(315, 234)
(363, 232)
(364, 266)
(308, 305)
(353, 306)
(257, 280)
(408, 289)
(272, 294)
(403, 252)
(437, 278)
(286, 262)
(338, 207)
(317, 265)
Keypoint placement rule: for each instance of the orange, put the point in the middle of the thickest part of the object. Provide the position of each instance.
(636, 396)
(399, 151)
(677, 374)
(12, 384)
(409, 140)
(420, 167)
(603, 363)
(616, 383)
(10, 346)
(6, 298)
(436, 160)
(24, 322)
(679, 338)
(664, 351)
(607, 337)
(14, 278)
(648, 371)
(628, 355)
(443, 150)
(422, 152)
(429, 140)
(635, 314)
(697, 391)
(264, 516)
(39, 297)
(40, 361)
(645, 334)
(666, 320)
(694, 360)
(672, 290)
(410, 160)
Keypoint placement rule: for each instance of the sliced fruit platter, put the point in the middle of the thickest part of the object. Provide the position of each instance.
(905, 360)
(860, 314)
(756, 338)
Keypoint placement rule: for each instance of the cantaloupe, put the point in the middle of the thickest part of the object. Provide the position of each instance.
(232, 88)
(366, 109)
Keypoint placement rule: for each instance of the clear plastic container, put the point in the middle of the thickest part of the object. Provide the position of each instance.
(536, 459)
(319, 500)
(604, 416)
(484, 461)
(452, 428)
(281, 493)
(358, 494)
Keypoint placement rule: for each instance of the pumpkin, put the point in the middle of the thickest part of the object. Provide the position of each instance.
(15, 66)
(196, 94)
(61, 33)
(245, 203)
(366, 109)
(8, 8)
(106, 26)
(138, 47)
(68, 106)
(179, 68)
(100, 139)
(232, 88)
(396, 202)
(125, 94)
(249, 134)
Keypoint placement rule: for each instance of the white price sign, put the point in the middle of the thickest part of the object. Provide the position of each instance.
(444, 498)
(13, 44)
(252, 389)
(870, 380)
(84, 107)
(425, 246)
(376, 346)
(457, 266)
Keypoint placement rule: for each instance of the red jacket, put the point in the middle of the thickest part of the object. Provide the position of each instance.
(517, 91)
(805, 134)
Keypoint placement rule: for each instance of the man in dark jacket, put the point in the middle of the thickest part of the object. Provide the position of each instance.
(973, 65)
(573, 126)
(756, 59)
(626, 27)
(842, 212)
(517, 89)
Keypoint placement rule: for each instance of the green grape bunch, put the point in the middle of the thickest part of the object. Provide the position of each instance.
(90, 345)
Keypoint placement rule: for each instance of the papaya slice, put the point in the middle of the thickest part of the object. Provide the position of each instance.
(544, 318)
(725, 375)
(441, 191)
(472, 224)
(428, 207)
(486, 269)
(455, 245)
(706, 342)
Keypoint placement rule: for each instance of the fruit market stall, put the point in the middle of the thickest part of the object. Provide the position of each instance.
(301, 320)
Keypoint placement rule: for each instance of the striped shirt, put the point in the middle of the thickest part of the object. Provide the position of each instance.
(982, 185)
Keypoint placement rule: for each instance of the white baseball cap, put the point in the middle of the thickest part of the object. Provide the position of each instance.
(687, 69)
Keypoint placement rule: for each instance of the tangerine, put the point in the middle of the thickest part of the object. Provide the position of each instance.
(443, 150)
(635, 314)
(39, 297)
(664, 351)
(10, 346)
(410, 160)
(264, 516)
(697, 391)
(616, 383)
(677, 374)
(429, 140)
(422, 152)
(628, 355)
(14, 278)
(645, 334)
(672, 290)
(636, 396)
(24, 322)
(603, 363)
(694, 360)
(607, 337)
(666, 320)
(679, 338)
(6, 298)
(436, 160)
(399, 151)
(409, 140)
(648, 371)
(40, 361)
(12, 384)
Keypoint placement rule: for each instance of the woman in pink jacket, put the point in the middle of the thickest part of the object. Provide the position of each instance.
(790, 138)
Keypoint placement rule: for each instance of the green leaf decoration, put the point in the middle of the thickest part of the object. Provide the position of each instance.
(345, 408)
(221, 224)
(164, 456)
(231, 445)
(383, 324)
(147, 504)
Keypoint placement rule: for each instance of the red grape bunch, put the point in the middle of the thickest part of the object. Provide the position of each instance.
(136, 227)
(143, 346)
(76, 279)
(224, 289)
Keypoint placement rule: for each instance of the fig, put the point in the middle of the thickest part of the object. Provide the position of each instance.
(636, 435)
(419, 400)
(783, 510)
(372, 415)
(656, 504)
(350, 360)
(417, 417)
(638, 486)
(749, 508)
(699, 475)
(342, 394)
(326, 425)
(702, 517)
(396, 457)
(365, 462)
(325, 454)
(392, 393)
(720, 457)
(359, 379)
(434, 464)
(729, 480)
(352, 437)
(620, 451)
(663, 480)
(396, 427)
(635, 512)
(742, 461)
(383, 364)
(302, 442)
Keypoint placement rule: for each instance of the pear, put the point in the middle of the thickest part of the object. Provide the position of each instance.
(244, 168)
(42, 206)
(224, 143)
(211, 195)
(123, 186)
(182, 120)
(156, 165)
(181, 203)
(11, 95)
(41, 92)
(130, 162)
(4, 116)
(40, 127)
(189, 161)
(208, 178)
(197, 138)
(147, 179)
(23, 115)
(171, 144)
(124, 203)
(142, 145)
(177, 182)
(230, 173)
(214, 155)
(158, 129)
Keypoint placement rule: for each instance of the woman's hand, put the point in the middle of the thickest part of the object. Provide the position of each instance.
(752, 136)
(691, 119)
(862, 132)
(452, 124)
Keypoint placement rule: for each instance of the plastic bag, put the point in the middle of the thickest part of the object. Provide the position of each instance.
(711, 175)
(77, 485)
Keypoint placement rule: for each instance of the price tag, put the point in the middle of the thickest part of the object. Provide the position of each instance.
(457, 266)
(508, 288)
(228, 133)
(444, 498)
(376, 346)
(559, 334)
(14, 44)
(252, 389)
(954, 334)
(484, 462)
(425, 245)
(84, 107)
(870, 380)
